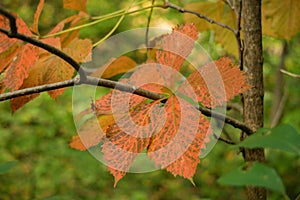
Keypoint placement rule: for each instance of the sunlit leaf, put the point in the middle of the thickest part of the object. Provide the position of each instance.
(116, 66)
(177, 46)
(216, 82)
(219, 11)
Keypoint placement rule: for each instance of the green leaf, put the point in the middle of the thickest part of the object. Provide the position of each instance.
(258, 175)
(283, 137)
(5, 167)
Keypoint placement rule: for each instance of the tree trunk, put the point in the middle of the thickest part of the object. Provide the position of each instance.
(253, 98)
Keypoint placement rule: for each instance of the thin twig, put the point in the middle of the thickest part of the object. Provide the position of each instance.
(290, 74)
(148, 24)
(224, 140)
(229, 120)
(36, 89)
(13, 33)
(183, 10)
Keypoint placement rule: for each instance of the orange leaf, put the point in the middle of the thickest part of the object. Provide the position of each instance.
(177, 46)
(90, 133)
(35, 25)
(51, 69)
(19, 68)
(172, 130)
(24, 57)
(186, 164)
(116, 66)
(129, 136)
(216, 82)
(7, 56)
(180, 139)
(75, 4)
(118, 175)
(6, 42)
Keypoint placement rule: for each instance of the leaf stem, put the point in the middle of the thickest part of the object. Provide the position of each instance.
(101, 19)
(114, 28)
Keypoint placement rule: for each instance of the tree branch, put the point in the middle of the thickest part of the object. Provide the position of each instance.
(122, 87)
(227, 141)
(290, 74)
(229, 120)
(183, 10)
(13, 33)
(99, 81)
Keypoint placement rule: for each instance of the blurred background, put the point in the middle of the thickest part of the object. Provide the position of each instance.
(37, 135)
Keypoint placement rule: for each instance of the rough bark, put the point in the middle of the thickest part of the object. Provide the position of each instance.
(253, 98)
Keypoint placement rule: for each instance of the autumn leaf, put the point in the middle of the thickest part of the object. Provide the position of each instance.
(79, 5)
(280, 18)
(21, 59)
(19, 68)
(114, 67)
(177, 46)
(216, 82)
(70, 22)
(6, 42)
(7, 56)
(221, 12)
(91, 133)
(37, 14)
(171, 130)
(51, 69)
(129, 137)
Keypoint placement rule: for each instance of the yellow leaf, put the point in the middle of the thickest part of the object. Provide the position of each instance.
(280, 18)
(116, 66)
(220, 12)
(79, 5)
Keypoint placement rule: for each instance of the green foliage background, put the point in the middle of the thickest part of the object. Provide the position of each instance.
(37, 135)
